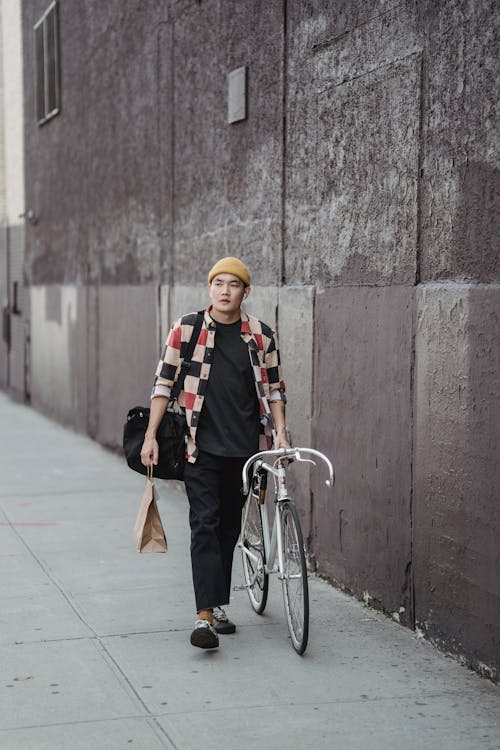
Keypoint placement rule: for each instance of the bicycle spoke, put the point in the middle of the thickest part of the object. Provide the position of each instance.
(253, 556)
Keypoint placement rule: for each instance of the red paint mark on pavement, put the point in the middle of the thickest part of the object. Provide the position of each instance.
(31, 523)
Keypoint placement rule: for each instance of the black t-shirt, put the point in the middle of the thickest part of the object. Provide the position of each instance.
(229, 419)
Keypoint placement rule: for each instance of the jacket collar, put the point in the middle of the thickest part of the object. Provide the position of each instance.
(245, 330)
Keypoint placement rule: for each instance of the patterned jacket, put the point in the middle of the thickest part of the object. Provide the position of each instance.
(264, 358)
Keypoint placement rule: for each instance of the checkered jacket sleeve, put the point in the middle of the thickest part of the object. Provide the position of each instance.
(171, 357)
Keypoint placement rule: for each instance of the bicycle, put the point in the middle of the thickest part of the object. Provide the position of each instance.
(283, 550)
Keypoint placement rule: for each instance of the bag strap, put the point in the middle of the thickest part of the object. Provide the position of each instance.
(186, 362)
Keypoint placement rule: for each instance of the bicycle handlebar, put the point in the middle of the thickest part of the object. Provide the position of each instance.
(281, 453)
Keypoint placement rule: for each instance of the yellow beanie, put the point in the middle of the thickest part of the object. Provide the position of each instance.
(231, 265)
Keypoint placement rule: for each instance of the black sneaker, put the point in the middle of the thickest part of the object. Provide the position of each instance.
(223, 624)
(204, 635)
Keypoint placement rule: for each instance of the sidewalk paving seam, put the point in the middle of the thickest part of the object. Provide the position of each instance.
(48, 573)
(339, 702)
(62, 493)
(95, 638)
(136, 694)
(151, 717)
(108, 636)
(141, 717)
(149, 720)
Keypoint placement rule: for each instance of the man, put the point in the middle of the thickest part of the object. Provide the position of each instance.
(234, 400)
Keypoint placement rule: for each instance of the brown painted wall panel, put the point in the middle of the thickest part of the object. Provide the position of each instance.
(362, 415)
(457, 509)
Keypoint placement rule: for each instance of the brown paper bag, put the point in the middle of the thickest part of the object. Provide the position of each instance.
(148, 530)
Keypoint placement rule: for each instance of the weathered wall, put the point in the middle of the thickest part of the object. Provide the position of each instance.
(460, 189)
(365, 172)
(99, 222)
(18, 313)
(456, 406)
(362, 408)
(109, 217)
(392, 179)
(14, 342)
(457, 469)
(352, 145)
(352, 183)
(227, 178)
(97, 188)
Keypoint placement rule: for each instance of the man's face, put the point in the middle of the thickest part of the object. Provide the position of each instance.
(227, 292)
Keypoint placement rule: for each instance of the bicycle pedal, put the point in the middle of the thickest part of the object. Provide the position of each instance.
(240, 588)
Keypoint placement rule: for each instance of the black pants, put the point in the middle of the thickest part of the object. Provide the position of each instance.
(213, 486)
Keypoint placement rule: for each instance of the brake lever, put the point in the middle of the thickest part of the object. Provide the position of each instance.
(304, 460)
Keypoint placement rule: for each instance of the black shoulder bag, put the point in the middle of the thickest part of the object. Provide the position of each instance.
(171, 435)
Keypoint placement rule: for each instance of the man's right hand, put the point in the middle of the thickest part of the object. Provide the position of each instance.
(149, 452)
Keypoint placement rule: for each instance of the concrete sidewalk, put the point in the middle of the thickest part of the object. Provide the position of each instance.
(95, 646)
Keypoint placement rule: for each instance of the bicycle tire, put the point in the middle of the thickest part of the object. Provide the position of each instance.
(294, 581)
(256, 580)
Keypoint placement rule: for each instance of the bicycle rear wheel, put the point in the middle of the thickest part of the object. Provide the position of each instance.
(254, 556)
(295, 588)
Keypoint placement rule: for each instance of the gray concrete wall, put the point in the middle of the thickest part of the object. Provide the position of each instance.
(18, 381)
(4, 303)
(363, 192)
(13, 298)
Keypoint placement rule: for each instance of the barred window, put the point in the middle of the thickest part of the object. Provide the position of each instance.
(47, 88)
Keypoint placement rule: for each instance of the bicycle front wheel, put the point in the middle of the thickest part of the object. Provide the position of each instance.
(295, 588)
(254, 556)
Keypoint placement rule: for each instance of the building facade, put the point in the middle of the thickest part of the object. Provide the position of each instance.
(359, 181)
(14, 342)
